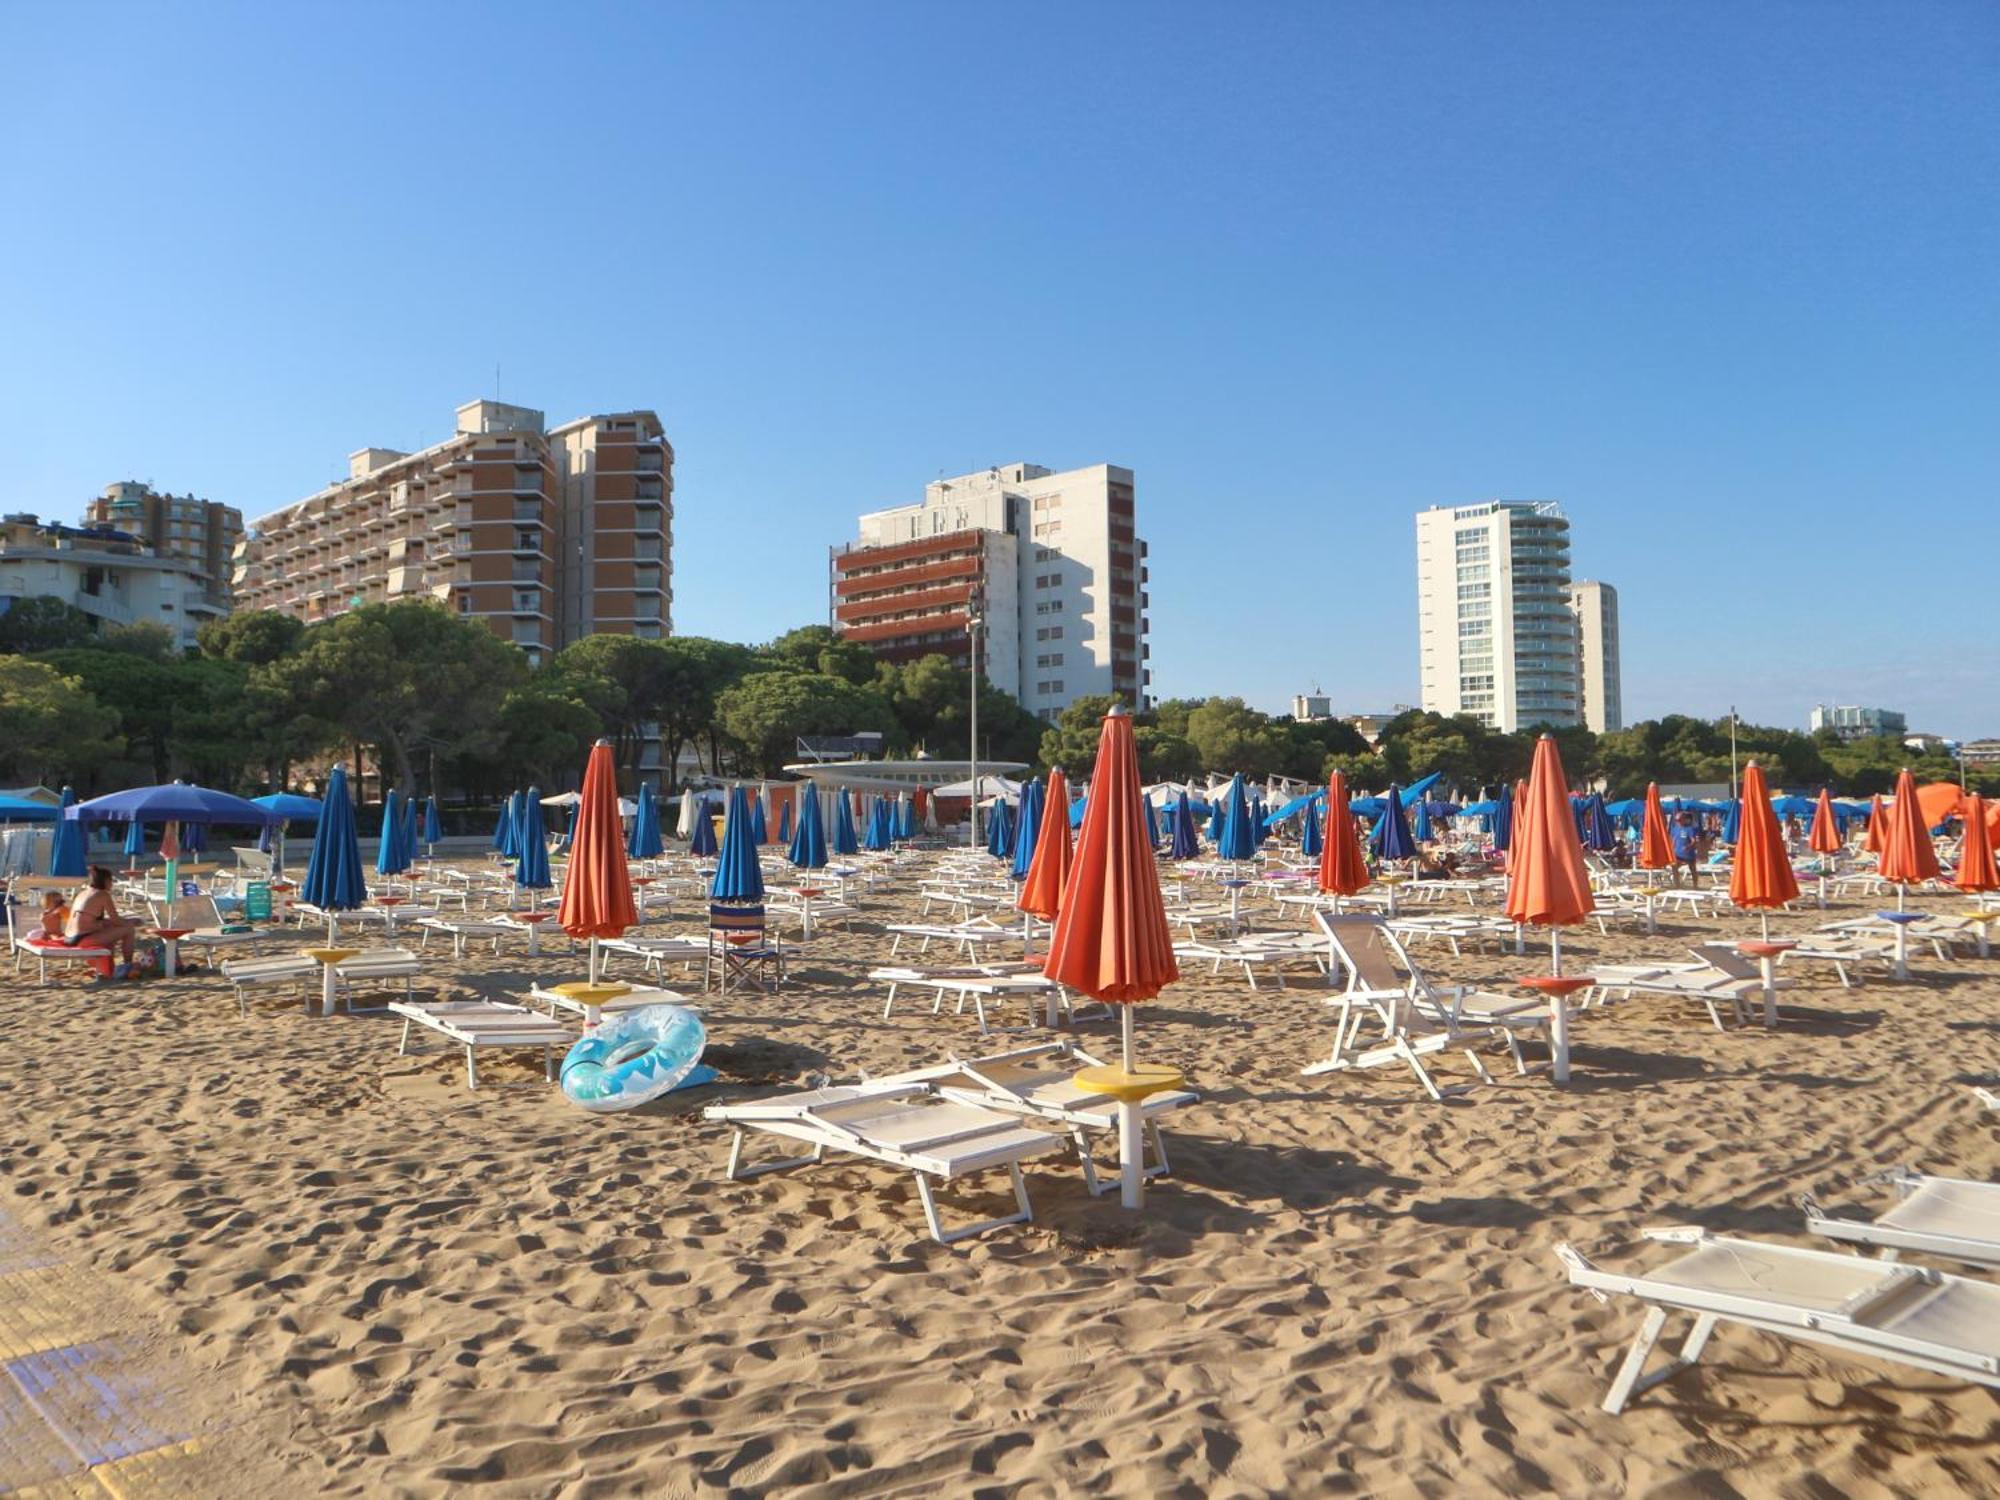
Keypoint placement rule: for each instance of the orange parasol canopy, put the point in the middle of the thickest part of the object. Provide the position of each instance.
(1342, 870)
(1976, 868)
(1656, 845)
(1908, 856)
(1939, 800)
(1546, 883)
(1878, 825)
(597, 892)
(1111, 940)
(1761, 874)
(1048, 872)
(1825, 837)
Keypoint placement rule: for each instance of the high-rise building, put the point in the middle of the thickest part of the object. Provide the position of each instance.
(1497, 640)
(200, 533)
(1051, 561)
(1850, 721)
(1600, 698)
(113, 576)
(546, 536)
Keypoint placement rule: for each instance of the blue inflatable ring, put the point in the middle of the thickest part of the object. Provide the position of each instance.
(633, 1056)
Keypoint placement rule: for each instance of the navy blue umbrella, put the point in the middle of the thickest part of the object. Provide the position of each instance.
(194, 838)
(503, 828)
(531, 866)
(1215, 820)
(135, 841)
(844, 841)
(1311, 838)
(1000, 829)
(1034, 797)
(66, 853)
(643, 841)
(1238, 841)
(1503, 821)
(1421, 824)
(392, 855)
(1391, 837)
(1187, 841)
(785, 825)
(808, 847)
(410, 827)
(1257, 829)
(1152, 823)
(334, 882)
(759, 830)
(1598, 833)
(433, 829)
(1732, 820)
(702, 845)
(737, 874)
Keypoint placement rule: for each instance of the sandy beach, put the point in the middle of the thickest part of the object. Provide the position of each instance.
(369, 1281)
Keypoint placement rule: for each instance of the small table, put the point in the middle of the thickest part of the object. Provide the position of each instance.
(805, 893)
(1767, 952)
(591, 997)
(389, 905)
(532, 920)
(1984, 920)
(170, 948)
(639, 884)
(1558, 987)
(1649, 892)
(1235, 889)
(1130, 1089)
(327, 958)
(1389, 880)
(1901, 921)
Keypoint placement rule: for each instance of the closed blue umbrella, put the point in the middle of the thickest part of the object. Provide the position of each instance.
(392, 855)
(433, 828)
(1311, 840)
(1598, 833)
(1503, 821)
(1731, 821)
(1391, 837)
(844, 841)
(1000, 829)
(503, 828)
(66, 853)
(334, 882)
(702, 845)
(1257, 829)
(1237, 842)
(531, 866)
(1033, 798)
(785, 825)
(876, 837)
(737, 875)
(410, 827)
(808, 846)
(1421, 824)
(1187, 841)
(1215, 819)
(135, 841)
(906, 816)
(194, 838)
(644, 840)
(1152, 823)
(759, 830)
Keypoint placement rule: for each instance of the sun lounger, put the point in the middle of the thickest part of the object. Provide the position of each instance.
(902, 1125)
(633, 998)
(1847, 952)
(473, 1024)
(369, 966)
(977, 984)
(1862, 1307)
(655, 953)
(971, 936)
(1039, 1082)
(1252, 951)
(463, 930)
(1944, 1216)
(1719, 976)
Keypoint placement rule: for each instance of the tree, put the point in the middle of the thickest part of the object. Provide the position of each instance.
(820, 648)
(255, 637)
(625, 682)
(42, 623)
(1230, 736)
(767, 712)
(1071, 742)
(1164, 756)
(143, 638)
(545, 733)
(51, 728)
(140, 692)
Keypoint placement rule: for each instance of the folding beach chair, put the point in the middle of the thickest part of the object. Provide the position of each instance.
(740, 948)
(1943, 1216)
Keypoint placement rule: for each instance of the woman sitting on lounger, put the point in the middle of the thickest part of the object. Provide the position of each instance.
(94, 919)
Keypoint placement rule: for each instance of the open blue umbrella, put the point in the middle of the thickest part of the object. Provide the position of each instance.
(433, 829)
(66, 852)
(531, 865)
(1187, 841)
(644, 841)
(1028, 829)
(392, 855)
(702, 845)
(1000, 829)
(1311, 839)
(737, 874)
(334, 882)
(1238, 841)
(1391, 836)
(808, 846)
(21, 810)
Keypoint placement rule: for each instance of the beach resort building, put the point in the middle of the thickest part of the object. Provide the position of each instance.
(114, 576)
(1050, 563)
(1850, 721)
(1497, 638)
(545, 534)
(1595, 606)
(201, 533)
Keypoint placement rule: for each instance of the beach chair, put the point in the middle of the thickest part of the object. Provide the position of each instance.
(902, 1125)
(29, 942)
(1847, 952)
(1419, 1019)
(655, 953)
(1949, 1217)
(204, 929)
(1271, 951)
(1867, 1308)
(634, 998)
(1719, 976)
(740, 948)
(474, 1024)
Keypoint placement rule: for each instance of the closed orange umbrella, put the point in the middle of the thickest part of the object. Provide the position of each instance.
(1042, 891)
(1825, 837)
(1342, 870)
(1761, 874)
(1656, 845)
(1977, 870)
(1908, 856)
(597, 891)
(1878, 825)
(1547, 885)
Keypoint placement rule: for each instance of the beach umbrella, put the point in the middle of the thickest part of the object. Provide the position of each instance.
(1186, 837)
(1152, 823)
(1310, 839)
(392, 856)
(843, 840)
(1878, 825)
(1258, 832)
(702, 845)
(1976, 870)
(1420, 826)
(808, 847)
(760, 831)
(410, 826)
(737, 874)
(785, 823)
(1050, 857)
(1027, 829)
(194, 838)
(135, 843)
(644, 841)
(1732, 821)
(1908, 855)
(1342, 869)
(1111, 941)
(503, 828)
(531, 868)
(22, 810)
(1760, 877)
(1598, 833)
(1504, 807)
(876, 836)
(1216, 819)
(66, 851)
(1825, 835)
(690, 811)
(1391, 838)
(334, 881)
(433, 827)
(1000, 829)
(1237, 841)
(597, 893)
(1546, 882)
(1656, 844)
(930, 813)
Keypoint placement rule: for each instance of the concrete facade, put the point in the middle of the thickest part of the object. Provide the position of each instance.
(1600, 693)
(111, 575)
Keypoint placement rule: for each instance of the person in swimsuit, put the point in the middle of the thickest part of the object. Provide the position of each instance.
(94, 918)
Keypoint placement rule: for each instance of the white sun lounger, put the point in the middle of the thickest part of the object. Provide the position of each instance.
(1718, 976)
(1867, 1308)
(632, 999)
(901, 1124)
(473, 1024)
(1252, 951)
(1943, 1216)
(655, 953)
(374, 964)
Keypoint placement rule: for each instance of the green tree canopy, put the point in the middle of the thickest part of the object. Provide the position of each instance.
(39, 623)
(766, 713)
(51, 728)
(255, 637)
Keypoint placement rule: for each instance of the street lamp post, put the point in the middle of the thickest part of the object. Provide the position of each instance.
(973, 620)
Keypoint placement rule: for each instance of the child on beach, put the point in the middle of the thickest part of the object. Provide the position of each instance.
(54, 914)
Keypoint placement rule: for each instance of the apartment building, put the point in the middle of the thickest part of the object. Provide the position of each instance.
(1497, 639)
(1850, 721)
(1051, 562)
(113, 576)
(1599, 695)
(546, 536)
(200, 533)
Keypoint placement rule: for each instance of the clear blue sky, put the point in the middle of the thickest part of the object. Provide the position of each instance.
(1721, 278)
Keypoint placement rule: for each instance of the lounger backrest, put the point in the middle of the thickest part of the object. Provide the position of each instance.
(1727, 959)
(1363, 946)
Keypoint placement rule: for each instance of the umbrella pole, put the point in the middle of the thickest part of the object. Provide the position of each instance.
(1131, 1131)
(593, 960)
(1764, 917)
(1555, 950)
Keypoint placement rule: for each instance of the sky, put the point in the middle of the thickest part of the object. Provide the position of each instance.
(1724, 280)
